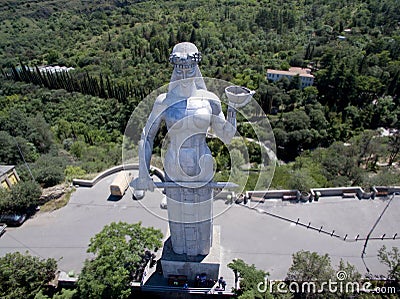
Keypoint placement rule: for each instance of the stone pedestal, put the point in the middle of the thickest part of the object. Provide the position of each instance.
(190, 266)
(190, 219)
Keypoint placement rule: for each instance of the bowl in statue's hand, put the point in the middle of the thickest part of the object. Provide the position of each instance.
(238, 96)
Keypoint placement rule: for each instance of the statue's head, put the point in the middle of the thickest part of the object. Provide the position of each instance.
(186, 77)
(185, 55)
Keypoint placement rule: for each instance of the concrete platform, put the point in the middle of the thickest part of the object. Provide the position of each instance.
(190, 266)
(247, 232)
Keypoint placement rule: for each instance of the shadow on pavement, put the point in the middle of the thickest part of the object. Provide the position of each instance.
(114, 198)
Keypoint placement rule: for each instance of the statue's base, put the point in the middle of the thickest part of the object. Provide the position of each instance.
(191, 266)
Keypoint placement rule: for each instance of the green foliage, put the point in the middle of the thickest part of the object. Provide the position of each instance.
(301, 180)
(237, 159)
(281, 176)
(310, 266)
(73, 172)
(120, 51)
(352, 275)
(392, 260)
(49, 170)
(384, 178)
(220, 153)
(308, 163)
(11, 149)
(82, 126)
(23, 276)
(249, 277)
(118, 250)
(22, 197)
(16, 121)
(64, 294)
(305, 173)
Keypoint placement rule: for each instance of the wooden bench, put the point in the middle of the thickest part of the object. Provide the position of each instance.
(382, 193)
(289, 196)
(257, 199)
(349, 195)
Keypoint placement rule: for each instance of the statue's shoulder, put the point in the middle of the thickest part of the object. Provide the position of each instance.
(207, 95)
(159, 104)
(160, 100)
(212, 98)
(158, 107)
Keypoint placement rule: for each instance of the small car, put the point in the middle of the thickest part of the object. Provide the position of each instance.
(13, 219)
(163, 203)
(3, 227)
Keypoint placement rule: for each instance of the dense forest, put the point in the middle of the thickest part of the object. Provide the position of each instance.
(329, 134)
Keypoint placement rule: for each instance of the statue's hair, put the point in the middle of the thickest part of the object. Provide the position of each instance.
(185, 56)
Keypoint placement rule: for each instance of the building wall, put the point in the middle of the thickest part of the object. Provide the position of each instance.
(9, 178)
(4, 184)
(13, 179)
(305, 79)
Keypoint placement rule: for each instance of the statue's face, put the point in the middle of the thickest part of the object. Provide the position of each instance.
(183, 73)
(184, 79)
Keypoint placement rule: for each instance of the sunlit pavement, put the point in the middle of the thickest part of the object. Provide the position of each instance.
(246, 233)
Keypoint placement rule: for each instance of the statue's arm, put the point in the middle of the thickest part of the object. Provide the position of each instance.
(146, 143)
(225, 129)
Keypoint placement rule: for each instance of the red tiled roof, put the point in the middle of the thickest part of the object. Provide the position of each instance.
(292, 72)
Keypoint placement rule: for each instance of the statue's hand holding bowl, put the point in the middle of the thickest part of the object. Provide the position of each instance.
(238, 96)
(140, 185)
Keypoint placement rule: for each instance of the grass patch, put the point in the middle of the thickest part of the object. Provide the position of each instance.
(89, 176)
(58, 203)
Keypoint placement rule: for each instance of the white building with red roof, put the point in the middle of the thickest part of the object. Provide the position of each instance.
(306, 78)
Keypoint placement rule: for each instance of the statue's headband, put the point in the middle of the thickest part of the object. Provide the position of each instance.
(185, 60)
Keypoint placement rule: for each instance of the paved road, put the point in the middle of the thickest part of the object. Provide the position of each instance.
(65, 234)
(269, 242)
(255, 237)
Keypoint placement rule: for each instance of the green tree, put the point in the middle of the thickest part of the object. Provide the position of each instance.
(40, 134)
(281, 176)
(237, 158)
(394, 146)
(23, 276)
(366, 148)
(384, 113)
(296, 120)
(384, 178)
(52, 56)
(352, 275)
(301, 180)
(392, 260)
(264, 96)
(339, 162)
(21, 198)
(237, 175)
(5, 201)
(12, 147)
(64, 294)
(295, 82)
(73, 172)
(309, 163)
(248, 277)
(118, 251)
(48, 170)
(317, 118)
(311, 267)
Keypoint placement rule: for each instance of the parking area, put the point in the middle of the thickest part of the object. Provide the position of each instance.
(246, 233)
(269, 242)
(64, 234)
